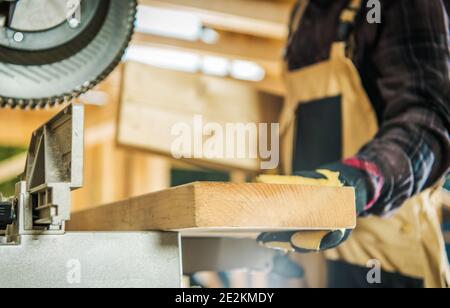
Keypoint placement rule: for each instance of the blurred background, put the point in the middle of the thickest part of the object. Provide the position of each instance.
(219, 59)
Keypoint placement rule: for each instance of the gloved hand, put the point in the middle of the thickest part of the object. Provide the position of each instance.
(336, 175)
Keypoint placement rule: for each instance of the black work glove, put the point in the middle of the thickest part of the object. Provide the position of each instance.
(336, 175)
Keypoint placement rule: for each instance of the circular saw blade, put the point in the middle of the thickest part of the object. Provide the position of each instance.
(43, 85)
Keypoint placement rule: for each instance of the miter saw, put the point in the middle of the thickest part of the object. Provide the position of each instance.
(51, 51)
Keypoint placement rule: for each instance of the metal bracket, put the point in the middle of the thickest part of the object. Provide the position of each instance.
(54, 168)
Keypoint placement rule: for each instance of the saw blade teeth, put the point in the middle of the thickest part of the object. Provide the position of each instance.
(31, 104)
(11, 103)
(41, 104)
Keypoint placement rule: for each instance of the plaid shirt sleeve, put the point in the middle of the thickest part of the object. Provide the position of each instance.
(412, 56)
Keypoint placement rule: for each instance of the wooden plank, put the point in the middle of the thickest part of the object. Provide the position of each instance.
(226, 207)
(154, 100)
(264, 18)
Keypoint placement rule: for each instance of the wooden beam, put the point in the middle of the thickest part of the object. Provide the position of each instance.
(264, 18)
(148, 173)
(232, 46)
(212, 207)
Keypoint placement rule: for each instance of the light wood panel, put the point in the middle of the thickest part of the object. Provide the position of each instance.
(226, 207)
(154, 100)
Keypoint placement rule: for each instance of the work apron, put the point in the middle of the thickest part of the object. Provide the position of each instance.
(326, 104)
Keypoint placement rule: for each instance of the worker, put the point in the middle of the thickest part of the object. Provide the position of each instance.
(368, 107)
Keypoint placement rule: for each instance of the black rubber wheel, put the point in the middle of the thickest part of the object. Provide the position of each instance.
(36, 79)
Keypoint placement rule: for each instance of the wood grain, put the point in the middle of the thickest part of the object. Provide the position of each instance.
(225, 207)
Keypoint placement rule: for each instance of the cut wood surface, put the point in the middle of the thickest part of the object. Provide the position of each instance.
(224, 208)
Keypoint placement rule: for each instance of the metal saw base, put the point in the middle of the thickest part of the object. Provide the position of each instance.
(93, 260)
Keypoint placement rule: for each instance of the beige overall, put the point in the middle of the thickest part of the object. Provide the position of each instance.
(410, 242)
